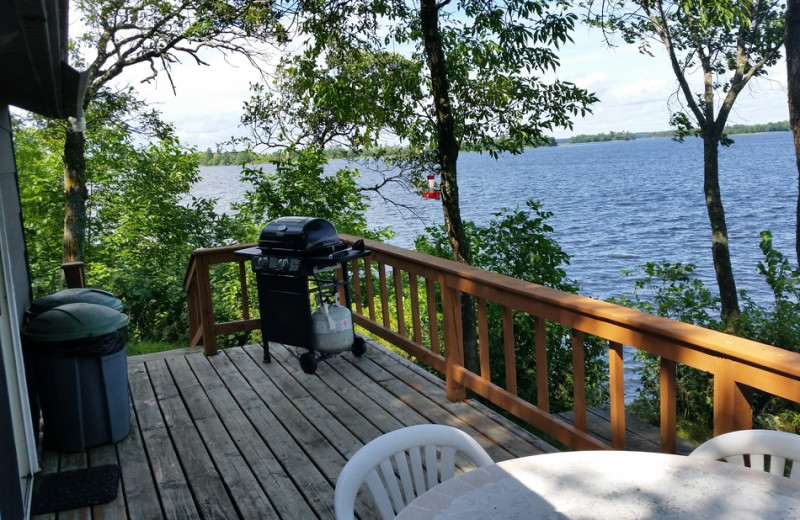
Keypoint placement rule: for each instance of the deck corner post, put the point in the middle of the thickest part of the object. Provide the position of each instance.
(207, 325)
(453, 341)
(732, 408)
(669, 404)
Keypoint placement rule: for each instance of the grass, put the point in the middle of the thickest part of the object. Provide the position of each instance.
(149, 347)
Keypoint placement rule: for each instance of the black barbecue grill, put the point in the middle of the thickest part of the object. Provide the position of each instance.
(294, 265)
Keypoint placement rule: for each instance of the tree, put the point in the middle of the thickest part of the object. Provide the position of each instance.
(792, 37)
(143, 225)
(123, 33)
(295, 188)
(41, 197)
(437, 78)
(721, 44)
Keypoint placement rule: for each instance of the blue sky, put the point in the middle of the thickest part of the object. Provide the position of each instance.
(634, 91)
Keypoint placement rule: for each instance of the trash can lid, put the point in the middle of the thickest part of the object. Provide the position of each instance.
(74, 321)
(79, 295)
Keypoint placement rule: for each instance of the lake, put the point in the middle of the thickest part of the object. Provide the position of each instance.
(615, 205)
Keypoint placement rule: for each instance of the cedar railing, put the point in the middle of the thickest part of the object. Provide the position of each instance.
(203, 328)
(738, 365)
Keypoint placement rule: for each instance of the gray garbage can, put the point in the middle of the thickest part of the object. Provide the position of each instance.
(51, 301)
(78, 352)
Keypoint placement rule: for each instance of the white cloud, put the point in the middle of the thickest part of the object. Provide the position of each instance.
(634, 91)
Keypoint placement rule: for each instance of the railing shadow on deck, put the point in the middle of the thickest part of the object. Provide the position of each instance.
(738, 365)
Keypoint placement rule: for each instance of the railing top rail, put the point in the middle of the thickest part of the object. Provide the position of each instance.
(220, 250)
(217, 252)
(691, 336)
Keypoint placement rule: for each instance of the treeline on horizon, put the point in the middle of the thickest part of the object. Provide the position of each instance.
(780, 126)
(235, 157)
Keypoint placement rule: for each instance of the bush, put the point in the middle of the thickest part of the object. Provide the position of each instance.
(672, 291)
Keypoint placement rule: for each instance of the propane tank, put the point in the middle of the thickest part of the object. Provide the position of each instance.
(333, 328)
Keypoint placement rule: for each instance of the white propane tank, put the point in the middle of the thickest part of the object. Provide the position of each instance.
(333, 328)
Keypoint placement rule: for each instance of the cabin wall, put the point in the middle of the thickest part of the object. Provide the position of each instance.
(17, 438)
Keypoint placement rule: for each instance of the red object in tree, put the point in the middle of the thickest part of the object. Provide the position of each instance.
(432, 192)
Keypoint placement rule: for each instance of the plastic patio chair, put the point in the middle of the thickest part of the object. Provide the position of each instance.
(767, 450)
(401, 465)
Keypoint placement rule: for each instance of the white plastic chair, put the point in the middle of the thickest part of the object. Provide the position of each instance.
(782, 449)
(415, 458)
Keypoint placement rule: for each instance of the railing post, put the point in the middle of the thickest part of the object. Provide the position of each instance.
(579, 379)
(542, 374)
(669, 404)
(203, 278)
(453, 340)
(193, 310)
(732, 410)
(74, 275)
(616, 383)
(243, 288)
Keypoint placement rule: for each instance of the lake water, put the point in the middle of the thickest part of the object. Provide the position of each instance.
(615, 205)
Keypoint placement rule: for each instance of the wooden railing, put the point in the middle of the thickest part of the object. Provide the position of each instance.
(738, 365)
(203, 328)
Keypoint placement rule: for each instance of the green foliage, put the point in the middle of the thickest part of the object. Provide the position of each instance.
(137, 348)
(779, 126)
(363, 75)
(730, 41)
(300, 186)
(141, 235)
(602, 138)
(142, 223)
(778, 325)
(519, 243)
(42, 196)
(231, 158)
(714, 48)
(672, 291)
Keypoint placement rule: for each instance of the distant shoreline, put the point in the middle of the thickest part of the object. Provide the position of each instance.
(780, 126)
(235, 158)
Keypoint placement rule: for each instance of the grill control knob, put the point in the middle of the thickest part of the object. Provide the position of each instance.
(283, 264)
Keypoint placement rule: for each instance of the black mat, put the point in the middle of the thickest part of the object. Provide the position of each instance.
(76, 488)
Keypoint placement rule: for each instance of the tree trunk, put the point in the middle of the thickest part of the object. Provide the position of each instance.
(719, 229)
(448, 157)
(75, 196)
(792, 43)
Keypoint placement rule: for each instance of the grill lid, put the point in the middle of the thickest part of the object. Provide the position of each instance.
(299, 235)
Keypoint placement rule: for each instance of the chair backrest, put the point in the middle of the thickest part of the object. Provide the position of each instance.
(401, 465)
(767, 450)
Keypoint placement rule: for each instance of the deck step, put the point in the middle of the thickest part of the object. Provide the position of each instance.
(639, 435)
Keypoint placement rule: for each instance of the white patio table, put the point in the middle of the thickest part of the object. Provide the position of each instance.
(614, 485)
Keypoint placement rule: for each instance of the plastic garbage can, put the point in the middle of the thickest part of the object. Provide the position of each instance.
(51, 301)
(79, 361)
(80, 295)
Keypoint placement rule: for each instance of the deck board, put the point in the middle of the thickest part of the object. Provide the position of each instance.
(231, 437)
(639, 435)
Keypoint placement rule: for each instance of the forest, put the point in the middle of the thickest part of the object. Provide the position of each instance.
(115, 194)
(781, 126)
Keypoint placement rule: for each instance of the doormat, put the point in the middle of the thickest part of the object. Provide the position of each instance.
(75, 488)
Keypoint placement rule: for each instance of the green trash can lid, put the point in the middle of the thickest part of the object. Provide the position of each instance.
(81, 295)
(73, 321)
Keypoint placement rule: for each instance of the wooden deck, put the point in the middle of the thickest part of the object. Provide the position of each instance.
(231, 437)
(639, 435)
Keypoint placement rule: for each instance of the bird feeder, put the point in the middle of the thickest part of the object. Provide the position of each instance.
(432, 192)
